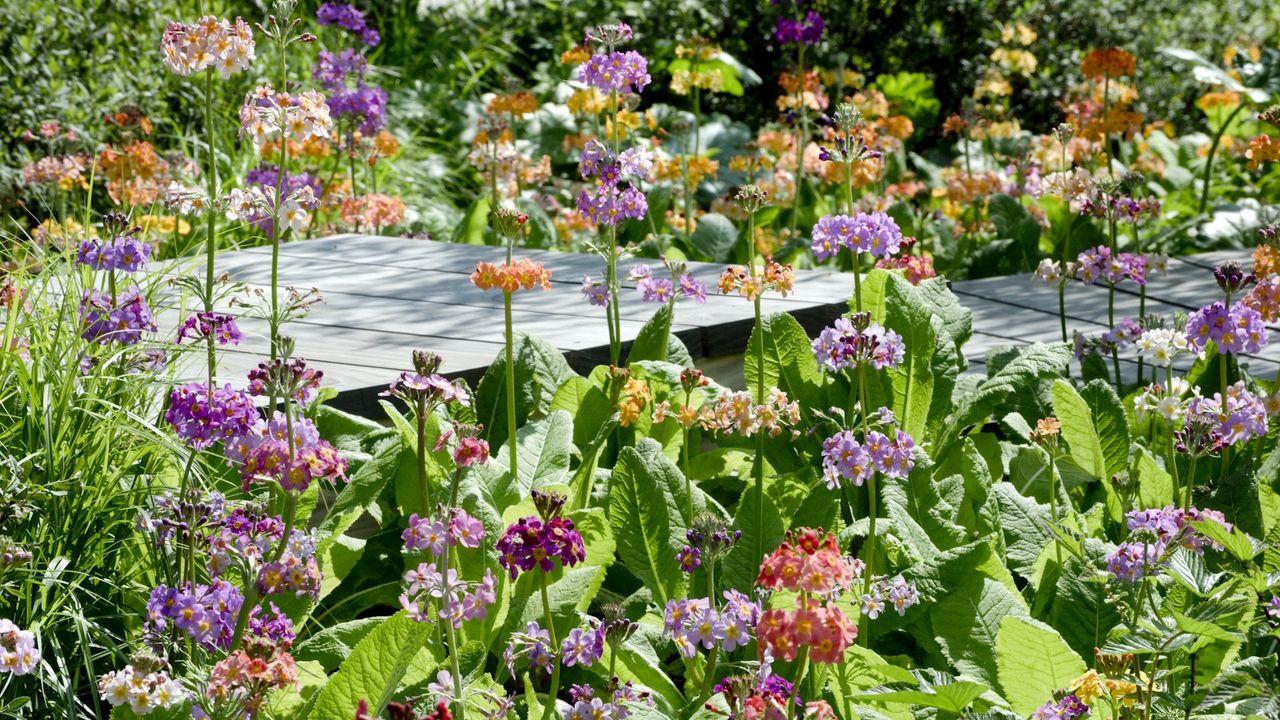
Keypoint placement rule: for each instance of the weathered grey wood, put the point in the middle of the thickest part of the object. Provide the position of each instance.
(385, 297)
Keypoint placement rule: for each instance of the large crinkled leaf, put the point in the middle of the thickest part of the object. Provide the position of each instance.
(330, 646)
(762, 530)
(544, 447)
(1033, 661)
(569, 594)
(648, 519)
(933, 505)
(588, 405)
(714, 237)
(1081, 609)
(1084, 447)
(1027, 365)
(957, 320)
(374, 669)
(540, 370)
(912, 379)
(789, 363)
(1111, 423)
(1024, 523)
(651, 341)
(967, 620)
(1013, 221)
(1155, 484)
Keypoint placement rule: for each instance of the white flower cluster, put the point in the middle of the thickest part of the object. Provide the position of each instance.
(1165, 401)
(142, 692)
(18, 653)
(208, 43)
(255, 204)
(267, 114)
(1162, 345)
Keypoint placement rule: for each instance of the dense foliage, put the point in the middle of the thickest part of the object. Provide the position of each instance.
(867, 527)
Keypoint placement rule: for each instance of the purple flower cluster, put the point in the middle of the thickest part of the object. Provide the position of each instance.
(584, 705)
(808, 31)
(1242, 419)
(1069, 707)
(583, 646)
(1100, 263)
(1235, 329)
(620, 71)
(267, 176)
(1152, 533)
(843, 457)
(188, 518)
(206, 613)
(459, 599)
(202, 416)
(436, 535)
(1125, 333)
(1108, 206)
(268, 452)
(896, 592)
(285, 379)
(277, 627)
(220, 327)
(363, 106)
(847, 344)
(596, 292)
(333, 69)
(122, 319)
(432, 389)
(605, 202)
(876, 233)
(247, 540)
(657, 289)
(347, 17)
(693, 621)
(534, 645)
(125, 253)
(530, 543)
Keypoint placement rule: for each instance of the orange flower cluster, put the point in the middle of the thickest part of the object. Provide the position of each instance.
(524, 274)
(635, 395)
(516, 104)
(1265, 297)
(136, 176)
(699, 168)
(1108, 62)
(812, 94)
(752, 284)
(575, 55)
(1262, 149)
(316, 148)
(375, 210)
(1266, 261)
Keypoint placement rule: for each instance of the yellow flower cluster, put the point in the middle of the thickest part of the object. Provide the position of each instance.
(684, 81)
(1262, 149)
(518, 104)
(588, 101)
(635, 395)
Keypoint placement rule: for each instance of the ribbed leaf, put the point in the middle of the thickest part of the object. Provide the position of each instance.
(1033, 661)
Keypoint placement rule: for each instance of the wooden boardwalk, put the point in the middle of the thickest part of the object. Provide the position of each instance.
(385, 297)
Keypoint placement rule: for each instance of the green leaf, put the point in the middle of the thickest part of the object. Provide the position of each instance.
(912, 379)
(957, 320)
(1111, 423)
(762, 531)
(374, 669)
(966, 622)
(714, 237)
(1236, 542)
(588, 405)
(474, 223)
(1155, 484)
(1033, 661)
(332, 645)
(540, 370)
(1028, 364)
(651, 342)
(1025, 526)
(540, 230)
(544, 447)
(1014, 222)
(789, 364)
(1084, 447)
(1082, 609)
(647, 521)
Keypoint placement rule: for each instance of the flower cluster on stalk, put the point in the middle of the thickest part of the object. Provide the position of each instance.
(844, 457)
(661, 289)
(751, 283)
(18, 652)
(539, 542)
(349, 18)
(144, 686)
(1235, 420)
(459, 599)
(738, 413)
(1100, 263)
(810, 564)
(692, 622)
(606, 202)
(523, 274)
(875, 233)
(1153, 534)
(267, 114)
(855, 342)
(203, 416)
(1232, 329)
(210, 42)
(247, 541)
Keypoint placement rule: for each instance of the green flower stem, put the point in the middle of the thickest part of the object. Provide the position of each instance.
(423, 492)
(1191, 480)
(1053, 504)
(869, 563)
(709, 675)
(511, 384)
(549, 711)
(451, 634)
(1111, 312)
(1213, 149)
(211, 244)
(1062, 280)
(1226, 451)
(857, 281)
(801, 670)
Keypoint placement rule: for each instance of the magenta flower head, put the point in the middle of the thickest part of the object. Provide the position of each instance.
(537, 542)
(220, 327)
(856, 341)
(202, 416)
(806, 31)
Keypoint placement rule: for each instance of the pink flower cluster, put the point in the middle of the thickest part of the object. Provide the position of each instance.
(219, 326)
(18, 652)
(694, 621)
(208, 43)
(269, 452)
(251, 674)
(459, 599)
(435, 535)
(808, 563)
(267, 114)
(1100, 263)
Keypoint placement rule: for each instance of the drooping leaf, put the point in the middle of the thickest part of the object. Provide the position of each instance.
(1028, 364)
(714, 237)
(374, 669)
(1033, 661)
(789, 363)
(540, 370)
(647, 520)
(1084, 447)
(651, 342)
(1110, 422)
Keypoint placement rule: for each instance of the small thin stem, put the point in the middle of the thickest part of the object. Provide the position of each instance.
(511, 388)
(423, 492)
(1213, 149)
(554, 690)
(868, 569)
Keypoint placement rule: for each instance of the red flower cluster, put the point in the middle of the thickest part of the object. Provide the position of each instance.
(812, 564)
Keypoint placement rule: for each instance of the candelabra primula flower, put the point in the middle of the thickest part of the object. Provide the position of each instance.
(349, 18)
(737, 412)
(202, 415)
(875, 233)
(1101, 264)
(1153, 534)
(249, 675)
(1068, 708)
(210, 42)
(858, 342)
(268, 453)
(694, 621)
(845, 458)
(18, 652)
(539, 542)
(1235, 329)
(751, 283)
(267, 114)
(120, 319)
(219, 326)
(205, 613)
(1108, 62)
(143, 689)
(523, 274)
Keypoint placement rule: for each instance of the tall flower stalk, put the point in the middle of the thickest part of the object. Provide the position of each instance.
(509, 278)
